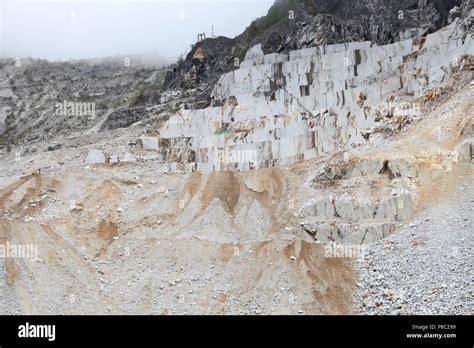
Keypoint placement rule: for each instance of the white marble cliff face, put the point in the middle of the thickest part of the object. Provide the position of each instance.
(279, 109)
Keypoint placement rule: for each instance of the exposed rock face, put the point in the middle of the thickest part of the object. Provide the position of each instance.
(292, 25)
(279, 109)
(358, 214)
(383, 22)
(207, 59)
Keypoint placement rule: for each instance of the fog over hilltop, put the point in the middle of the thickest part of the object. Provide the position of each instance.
(63, 30)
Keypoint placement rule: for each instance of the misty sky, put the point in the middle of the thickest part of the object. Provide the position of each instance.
(62, 29)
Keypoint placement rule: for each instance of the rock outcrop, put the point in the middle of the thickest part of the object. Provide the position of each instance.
(293, 25)
(278, 109)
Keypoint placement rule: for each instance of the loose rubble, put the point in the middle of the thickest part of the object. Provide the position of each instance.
(427, 267)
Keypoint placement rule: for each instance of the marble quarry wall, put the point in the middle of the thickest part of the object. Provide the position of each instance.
(278, 109)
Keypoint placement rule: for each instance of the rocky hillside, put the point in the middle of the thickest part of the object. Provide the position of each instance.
(32, 93)
(294, 24)
(335, 178)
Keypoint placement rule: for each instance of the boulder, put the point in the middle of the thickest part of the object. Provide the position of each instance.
(95, 157)
(149, 143)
